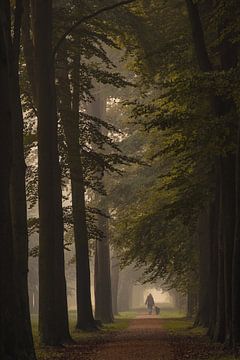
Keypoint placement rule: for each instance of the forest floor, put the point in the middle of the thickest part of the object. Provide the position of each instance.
(141, 337)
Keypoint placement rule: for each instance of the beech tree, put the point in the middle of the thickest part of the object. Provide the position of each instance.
(69, 110)
(18, 192)
(8, 346)
(16, 333)
(200, 188)
(53, 315)
(158, 80)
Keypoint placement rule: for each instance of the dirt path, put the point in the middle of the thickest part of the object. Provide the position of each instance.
(144, 339)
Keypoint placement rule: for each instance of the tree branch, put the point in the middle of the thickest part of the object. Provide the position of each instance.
(85, 19)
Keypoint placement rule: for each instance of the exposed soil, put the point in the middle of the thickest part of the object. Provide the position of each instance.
(144, 339)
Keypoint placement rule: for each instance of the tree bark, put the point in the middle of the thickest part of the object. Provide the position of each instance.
(226, 175)
(198, 36)
(214, 220)
(103, 289)
(53, 315)
(69, 111)
(8, 305)
(115, 283)
(219, 330)
(192, 303)
(18, 198)
(28, 48)
(138, 296)
(204, 270)
(102, 274)
(125, 291)
(229, 60)
(236, 256)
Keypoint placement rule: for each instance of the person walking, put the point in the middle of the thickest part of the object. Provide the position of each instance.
(150, 303)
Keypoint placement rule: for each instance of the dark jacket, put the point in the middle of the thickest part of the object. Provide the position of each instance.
(149, 301)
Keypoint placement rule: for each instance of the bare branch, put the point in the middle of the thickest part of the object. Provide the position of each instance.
(85, 19)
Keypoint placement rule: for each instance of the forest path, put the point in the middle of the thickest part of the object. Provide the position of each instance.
(144, 339)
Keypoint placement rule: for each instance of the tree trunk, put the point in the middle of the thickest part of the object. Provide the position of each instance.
(85, 319)
(103, 290)
(115, 271)
(219, 331)
(228, 164)
(213, 216)
(221, 107)
(85, 314)
(115, 283)
(18, 199)
(53, 316)
(8, 306)
(191, 303)
(229, 60)
(69, 111)
(125, 291)
(206, 66)
(236, 256)
(138, 296)
(198, 36)
(204, 271)
(28, 49)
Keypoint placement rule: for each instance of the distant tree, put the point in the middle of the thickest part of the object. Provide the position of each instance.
(115, 272)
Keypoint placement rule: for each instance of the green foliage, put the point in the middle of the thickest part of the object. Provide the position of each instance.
(100, 153)
(160, 119)
(156, 208)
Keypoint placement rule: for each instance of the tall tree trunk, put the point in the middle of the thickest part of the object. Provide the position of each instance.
(103, 289)
(191, 304)
(229, 60)
(102, 275)
(236, 256)
(138, 296)
(18, 198)
(8, 306)
(221, 107)
(204, 271)
(205, 65)
(228, 236)
(53, 315)
(115, 270)
(85, 316)
(69, 111)
(213, 219)
(219, 331)
(28, 49)
(198, 36)
(125, 290)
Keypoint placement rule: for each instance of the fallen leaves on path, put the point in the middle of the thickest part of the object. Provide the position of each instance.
(144, 339)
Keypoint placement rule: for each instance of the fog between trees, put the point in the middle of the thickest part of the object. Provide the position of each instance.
(119, 157)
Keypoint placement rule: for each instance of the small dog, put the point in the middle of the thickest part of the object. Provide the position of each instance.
(157, 310)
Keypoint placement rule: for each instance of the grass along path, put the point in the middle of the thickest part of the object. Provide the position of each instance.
(85, 341)
(139, 336)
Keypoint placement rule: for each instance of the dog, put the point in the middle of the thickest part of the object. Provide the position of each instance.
(157, 310)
